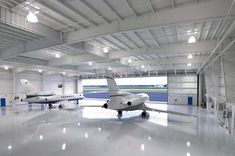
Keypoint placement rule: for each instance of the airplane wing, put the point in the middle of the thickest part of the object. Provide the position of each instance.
(66, 104)
(167, 111)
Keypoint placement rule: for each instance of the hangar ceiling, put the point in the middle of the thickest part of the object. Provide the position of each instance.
(143, 36)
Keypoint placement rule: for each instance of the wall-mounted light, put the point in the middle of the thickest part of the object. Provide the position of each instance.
(32, 18)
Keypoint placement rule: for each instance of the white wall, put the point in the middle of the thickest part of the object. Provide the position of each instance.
(6, 87)
(180, 88)
(50, 83)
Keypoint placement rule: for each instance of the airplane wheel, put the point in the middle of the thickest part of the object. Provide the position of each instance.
(60, 106)
(50, 106)
(119, 115)
(145, 115)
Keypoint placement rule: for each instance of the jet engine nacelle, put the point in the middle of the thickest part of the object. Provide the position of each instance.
(130, 102)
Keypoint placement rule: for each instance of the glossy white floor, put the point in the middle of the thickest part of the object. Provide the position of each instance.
(36, 131)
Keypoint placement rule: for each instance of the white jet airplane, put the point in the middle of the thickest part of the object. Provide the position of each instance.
(124, 101)
(42, 97)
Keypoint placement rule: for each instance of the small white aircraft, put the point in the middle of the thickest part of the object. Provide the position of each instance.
(42, 97)
(125, 101)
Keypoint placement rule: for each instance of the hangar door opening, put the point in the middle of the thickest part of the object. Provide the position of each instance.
(155, 87)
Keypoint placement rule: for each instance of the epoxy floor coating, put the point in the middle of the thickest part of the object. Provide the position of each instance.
(37, 131)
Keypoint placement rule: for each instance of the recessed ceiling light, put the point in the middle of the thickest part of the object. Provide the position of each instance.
(189, 64)
(106, 50)
(90, 63)
(57, 55)
(9, 147)
(6, 68)
(63, 146)
(188, 143)
(129, 61)
(142, 66)
(109, 68)
(192, 39)
(41, 137)
(32, 18)
(190, 56)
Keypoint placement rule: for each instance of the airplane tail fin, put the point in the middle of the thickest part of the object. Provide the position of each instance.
(112, 85)
(28, 88)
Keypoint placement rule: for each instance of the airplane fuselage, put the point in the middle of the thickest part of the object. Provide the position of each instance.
(127, 102)
(53, 98)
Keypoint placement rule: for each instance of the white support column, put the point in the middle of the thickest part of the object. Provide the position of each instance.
(63, 84)
(79, 86)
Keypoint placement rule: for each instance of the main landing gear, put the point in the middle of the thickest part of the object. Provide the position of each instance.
(50, 106)
(119, 115)
(145, 115)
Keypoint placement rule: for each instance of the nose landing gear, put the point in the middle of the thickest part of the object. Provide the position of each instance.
(119, 115)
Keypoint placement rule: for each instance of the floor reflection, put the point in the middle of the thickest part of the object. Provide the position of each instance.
(96, 131)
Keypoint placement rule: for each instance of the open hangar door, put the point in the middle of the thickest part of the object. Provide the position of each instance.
(155, 87)
(182, 89)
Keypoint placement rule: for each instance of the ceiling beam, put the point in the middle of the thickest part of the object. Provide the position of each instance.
(183, 48)
(112, 10)
(29, 47)
(121, 42)
(217, 28)
(154, 38)
(114, 44)
(71, 21)
(190, 13)
(130, 39)
(73, 11)
(131, 8)
(151, 6)
(139, 37)
(84, 2)
(207, 31)
(172, 3)
(74, 60)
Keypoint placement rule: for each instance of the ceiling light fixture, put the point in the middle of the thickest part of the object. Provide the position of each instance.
(106, 50)
(57, 55)
(109, 68)
(63, 73)
(32, 18)
(90, 63)
(189, 64)
(142, 66)
(40, 71)
(190, 56)
(192, 39)
(6, 68)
